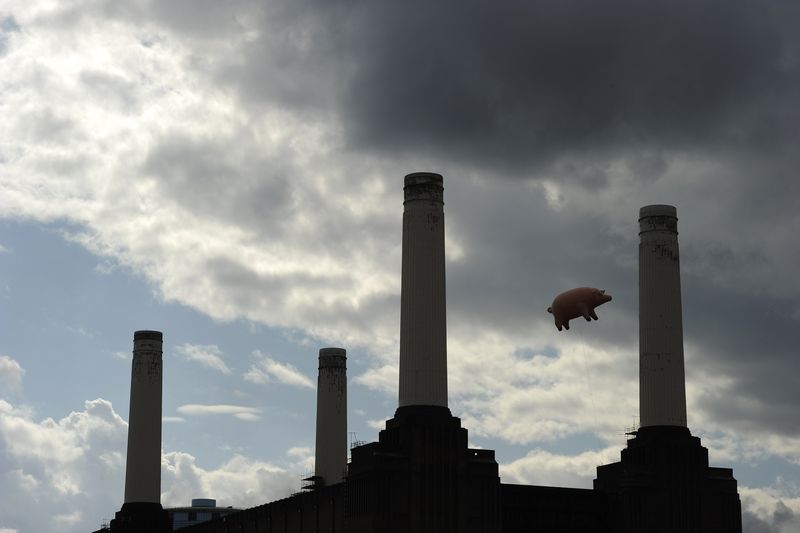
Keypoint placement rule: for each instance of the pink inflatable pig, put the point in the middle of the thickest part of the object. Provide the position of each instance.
(575, 303)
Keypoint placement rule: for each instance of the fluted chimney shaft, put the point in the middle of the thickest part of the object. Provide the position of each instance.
(423, 329)
(331, 446)
(143, 468)
(662, 393)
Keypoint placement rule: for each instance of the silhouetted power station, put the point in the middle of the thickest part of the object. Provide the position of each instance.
(421, 476)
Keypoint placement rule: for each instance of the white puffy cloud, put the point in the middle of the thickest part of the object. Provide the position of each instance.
(503, 388)
(382, 378)
(240, 482)
(208, 355)
(774, 509)
(77, 464)
(68, 520)
(266, 369)
(249, 414)
(11, 373)
(302, 458)
(379, 425)
(540, 467)
(299, 452)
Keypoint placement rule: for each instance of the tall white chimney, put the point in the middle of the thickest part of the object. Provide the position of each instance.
(331, 447)
(662, 393)
(143, 469)
(423, 329)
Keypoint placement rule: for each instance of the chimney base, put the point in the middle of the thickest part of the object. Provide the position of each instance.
(141, 516)
(663, 484)
(421, 476)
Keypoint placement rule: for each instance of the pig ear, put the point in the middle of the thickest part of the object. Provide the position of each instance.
(602, 291)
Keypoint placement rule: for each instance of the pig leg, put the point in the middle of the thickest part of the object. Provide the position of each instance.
(584, 311)
(593, 314)
(558, 323)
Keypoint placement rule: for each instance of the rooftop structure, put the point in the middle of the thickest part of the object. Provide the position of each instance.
(201, 510)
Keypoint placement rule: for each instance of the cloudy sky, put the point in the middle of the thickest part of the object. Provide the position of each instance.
(231, 173)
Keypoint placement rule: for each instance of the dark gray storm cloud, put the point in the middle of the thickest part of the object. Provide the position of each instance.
(751, 338)
(512, 86)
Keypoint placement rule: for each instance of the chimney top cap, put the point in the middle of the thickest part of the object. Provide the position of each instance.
(658, 210)
(147, 334)
(332, 352)
(423, 178)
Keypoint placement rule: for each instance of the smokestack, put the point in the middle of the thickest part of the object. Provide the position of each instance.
(662, 393)
(331, 447)
(143, 471)
(423, 331)
(142, 509)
